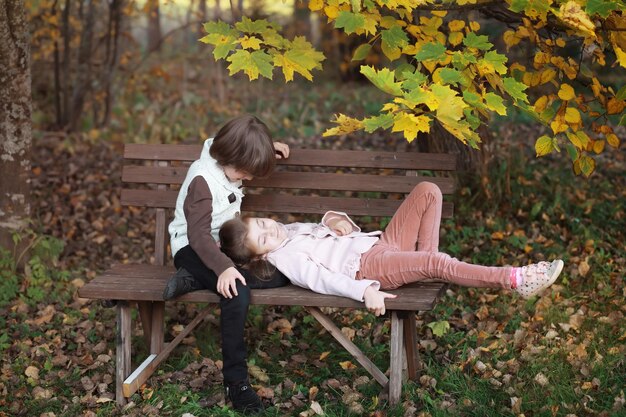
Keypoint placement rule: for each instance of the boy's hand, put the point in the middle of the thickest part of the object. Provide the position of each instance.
(375, 300)
(282, 150)
(227, 282)
(340, 226)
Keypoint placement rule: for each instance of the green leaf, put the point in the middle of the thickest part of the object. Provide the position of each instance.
(382, 121)
(518, 5)
(544, 145)
(402, 69)
(496, 103)
(361, 52)
(439, 328)
(383, 80)
(621, 94)
(515, 89)
(222, 37)
(413, 80)
(497, 60)
(431, 51)
(622, 121)
(572, 151)
(473, 99)
(260, 26)
(601, 7)
(587, 165)
(349, 21)
(460, 60)
(472, 40)
(471, 118)
(252, 64)
(393, 39)
(450, 76)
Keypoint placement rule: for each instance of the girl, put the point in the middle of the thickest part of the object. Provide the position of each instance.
(335, 257)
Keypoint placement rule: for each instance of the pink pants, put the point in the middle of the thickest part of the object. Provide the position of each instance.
(408, 249)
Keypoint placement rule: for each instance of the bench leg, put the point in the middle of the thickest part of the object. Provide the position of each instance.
(158, 327)
(395, 365)
(414, 364)
(152, 321)
(145, 312)
(122, 350)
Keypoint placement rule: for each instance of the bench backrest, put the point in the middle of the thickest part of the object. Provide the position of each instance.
(310, 181)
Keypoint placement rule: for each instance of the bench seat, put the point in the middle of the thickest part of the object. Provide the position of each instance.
(139, 282)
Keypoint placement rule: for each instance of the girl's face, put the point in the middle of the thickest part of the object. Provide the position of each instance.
(233, 174)
(264, 235)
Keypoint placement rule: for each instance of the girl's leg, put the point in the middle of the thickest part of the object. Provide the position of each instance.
(415, 226)
(394, 269)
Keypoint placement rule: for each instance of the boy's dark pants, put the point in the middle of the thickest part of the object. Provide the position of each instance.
(234, 310)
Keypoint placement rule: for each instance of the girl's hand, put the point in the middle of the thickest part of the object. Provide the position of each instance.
(282, 150)
(375, 300)
(340, 226)
(227, 282)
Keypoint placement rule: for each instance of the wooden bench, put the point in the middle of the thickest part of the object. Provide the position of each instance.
(310, 182)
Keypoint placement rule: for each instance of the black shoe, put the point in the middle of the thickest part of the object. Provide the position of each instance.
(243, 397)
(180, 283)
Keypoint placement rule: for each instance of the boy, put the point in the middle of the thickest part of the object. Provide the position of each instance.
(209, 196)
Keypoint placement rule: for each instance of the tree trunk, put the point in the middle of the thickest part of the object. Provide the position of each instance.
(154, 25)
(111, 57)
(83, 76)
(15, 123)
(67, 34)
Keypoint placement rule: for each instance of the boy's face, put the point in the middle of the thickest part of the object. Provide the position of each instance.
(233, 174)
(264, 235)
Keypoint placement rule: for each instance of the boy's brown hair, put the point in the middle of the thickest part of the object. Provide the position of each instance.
(245, 143)
(232, 237)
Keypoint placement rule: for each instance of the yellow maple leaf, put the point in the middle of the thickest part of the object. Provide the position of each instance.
(250, 42)
(410, 125)
(346, 125)
(575, 17)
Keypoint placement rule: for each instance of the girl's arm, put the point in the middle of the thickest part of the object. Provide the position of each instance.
(304, 272)
(339, 223)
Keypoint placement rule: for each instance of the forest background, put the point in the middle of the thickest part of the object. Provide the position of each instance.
(108, 73)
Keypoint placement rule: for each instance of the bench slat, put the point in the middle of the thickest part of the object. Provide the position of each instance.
(309, 157)
(146, 283)
(282, 203)
(297, 180)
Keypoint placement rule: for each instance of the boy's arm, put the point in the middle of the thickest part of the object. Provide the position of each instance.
(198, 208)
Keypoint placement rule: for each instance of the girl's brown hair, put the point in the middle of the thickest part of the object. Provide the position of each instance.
(245, 143)
(232, 236)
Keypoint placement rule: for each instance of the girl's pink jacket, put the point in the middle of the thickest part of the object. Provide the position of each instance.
(314, 257)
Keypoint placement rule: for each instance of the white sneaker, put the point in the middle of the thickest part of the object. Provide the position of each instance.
(538, 277)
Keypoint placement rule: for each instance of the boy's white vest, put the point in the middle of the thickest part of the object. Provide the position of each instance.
(221, 188)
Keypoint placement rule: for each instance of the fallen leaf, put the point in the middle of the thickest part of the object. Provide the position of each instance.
(258, 373)
(32, 372)
(347, 365)
(317, 408)
(541, 379)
